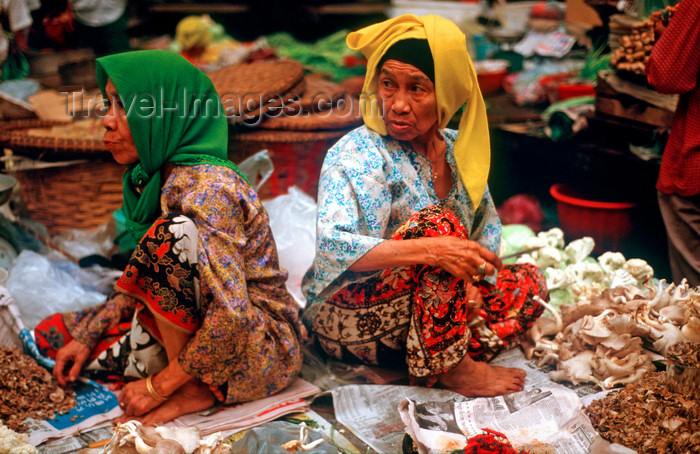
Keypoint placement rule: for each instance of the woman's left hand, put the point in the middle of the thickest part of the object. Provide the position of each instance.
(474, 302)
(135, 399)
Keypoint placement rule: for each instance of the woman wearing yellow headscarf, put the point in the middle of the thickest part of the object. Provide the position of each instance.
(406, 269)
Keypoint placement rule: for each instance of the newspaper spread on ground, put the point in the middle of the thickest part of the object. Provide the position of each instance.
(224, 419)
(538, 376)
(94, 405)
(371, 411)
(231, 419)
(539, 418)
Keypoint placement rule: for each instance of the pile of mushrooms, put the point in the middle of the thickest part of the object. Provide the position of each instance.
(134, 438)
(600, 340)
(648, 417)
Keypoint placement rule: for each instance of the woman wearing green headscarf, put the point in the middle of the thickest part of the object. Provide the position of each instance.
(201, 310)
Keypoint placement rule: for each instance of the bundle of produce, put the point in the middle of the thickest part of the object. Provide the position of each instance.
(329, 55)
(488, 442)
(601, 340)
(648, 417)
(572, 274)
(27, 390)
(633, 53)
(635, 49)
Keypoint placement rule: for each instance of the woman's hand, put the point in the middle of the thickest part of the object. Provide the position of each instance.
(474, 302)
(72, 355)
(135, 399)
(464, 259)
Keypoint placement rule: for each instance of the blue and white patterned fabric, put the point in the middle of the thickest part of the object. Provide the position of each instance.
(370, 185)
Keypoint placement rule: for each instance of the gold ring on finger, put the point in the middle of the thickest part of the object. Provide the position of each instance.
(482, 268)
(476, 278)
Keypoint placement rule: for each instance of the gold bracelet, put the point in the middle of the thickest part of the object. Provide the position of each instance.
(152, 391)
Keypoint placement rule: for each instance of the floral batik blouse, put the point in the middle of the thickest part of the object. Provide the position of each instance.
(369, 186)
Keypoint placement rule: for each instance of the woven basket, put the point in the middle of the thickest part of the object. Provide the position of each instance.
(80, 195)
(15, 136)
(343, 116)
(296, 155)
(245, 87)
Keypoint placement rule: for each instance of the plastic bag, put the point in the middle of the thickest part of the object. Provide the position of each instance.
(40, 289)
(83, 242)
(257, 168)
(293, 224)
(270, 437)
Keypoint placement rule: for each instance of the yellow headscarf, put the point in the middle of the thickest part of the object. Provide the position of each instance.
(455, 84)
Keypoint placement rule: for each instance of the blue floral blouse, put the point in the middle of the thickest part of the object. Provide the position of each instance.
(369, 186)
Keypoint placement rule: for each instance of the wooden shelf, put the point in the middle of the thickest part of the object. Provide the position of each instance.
(350, 9)
(198, 8)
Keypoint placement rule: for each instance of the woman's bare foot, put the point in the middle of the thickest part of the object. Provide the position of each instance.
(190, 397)
(478, 379)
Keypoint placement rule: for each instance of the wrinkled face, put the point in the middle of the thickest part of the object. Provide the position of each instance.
(408, 97)
(118, 139)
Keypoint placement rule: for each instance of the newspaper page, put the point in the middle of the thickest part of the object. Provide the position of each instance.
(370, 411)
(548, 419)
(224, 419)
(538, 376)
(94, 405)
(231, 419)
(71, 445)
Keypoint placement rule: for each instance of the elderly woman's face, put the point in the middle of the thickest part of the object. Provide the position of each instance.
(408, 97)
(118, 139)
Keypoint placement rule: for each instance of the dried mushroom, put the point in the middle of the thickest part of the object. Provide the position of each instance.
(27, 390)
(132, 437)
(648, 417)
(600, 340)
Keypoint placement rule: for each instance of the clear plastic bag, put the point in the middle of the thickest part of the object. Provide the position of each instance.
(83, 242)
(40, 289)
(293, 223)
(257, 168)
(269, 438)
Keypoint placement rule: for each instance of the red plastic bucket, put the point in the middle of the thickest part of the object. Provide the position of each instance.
(606, 222)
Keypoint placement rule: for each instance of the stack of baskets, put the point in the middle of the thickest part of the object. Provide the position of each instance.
(296, 117)
(78, 184)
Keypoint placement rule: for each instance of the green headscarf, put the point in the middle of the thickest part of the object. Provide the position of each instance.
(159, 90)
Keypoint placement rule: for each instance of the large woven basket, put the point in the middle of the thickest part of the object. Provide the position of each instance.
(80, 195)
(296, 155)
